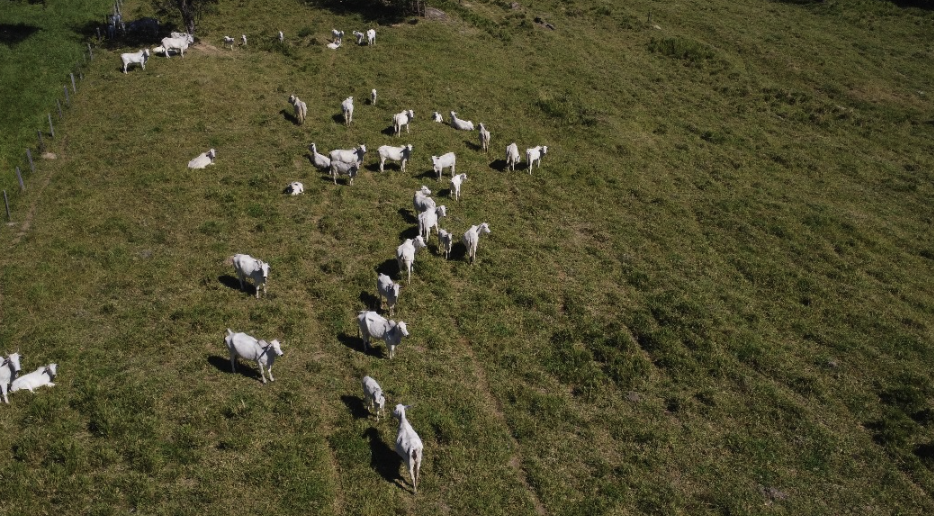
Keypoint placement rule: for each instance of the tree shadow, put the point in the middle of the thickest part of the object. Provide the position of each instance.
(355, 343)
(369, 300)
(499, 165)
(408, 215)
(356, 406)
(370, 11)
(290, 117)
(222, 364)
(11, 35)
(473, 146)
(383, 459)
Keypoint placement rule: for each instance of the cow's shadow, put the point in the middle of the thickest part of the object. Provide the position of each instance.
(244, 368)
(289, 116)
(355, 343)
(499, 165)
(383, 459)
(473, 146)
(369, 300)
(356, 406)
(408, 215)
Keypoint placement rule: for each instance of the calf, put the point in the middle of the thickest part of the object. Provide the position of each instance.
(139, 58)
(9, 368)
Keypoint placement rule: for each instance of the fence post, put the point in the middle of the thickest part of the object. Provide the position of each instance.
(59, 104)
(41, 145)
(51, 129)
(98, 37)
(67, 100)
(91, 52)
(73, 83)
(7, 203)
(29, 157)
(22, 187)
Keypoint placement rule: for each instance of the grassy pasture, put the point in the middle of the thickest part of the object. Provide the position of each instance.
(40, 44)
(713, 298)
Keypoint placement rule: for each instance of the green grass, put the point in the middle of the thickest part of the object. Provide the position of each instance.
(713, 297)
(40, 44)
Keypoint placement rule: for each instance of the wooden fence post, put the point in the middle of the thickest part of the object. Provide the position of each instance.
(59, 104)
(41, 145)
(51, 129)
(19, 175)
(91, 52)
(7, 203)
(29, 157)
(73, 83)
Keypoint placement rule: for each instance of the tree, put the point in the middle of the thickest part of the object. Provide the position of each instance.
(191, 11)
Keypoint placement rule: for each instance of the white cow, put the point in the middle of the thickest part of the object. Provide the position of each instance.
(9, 368)
(456, 182)
(402, 119)
(373, 325)
(408, 445)
(179, 41)
(371, 37)
(347, 110)
(388, 152)
(38, 378)
(373, 396)
(448, 160)
(472, 238)
(321, 161)
(299, 107)
(229, 41)
(203, 160)
(512, 156)
(139, 58)
(248, 267)
(461, 125)
(535, 154)
(295, 188)
(262, 352)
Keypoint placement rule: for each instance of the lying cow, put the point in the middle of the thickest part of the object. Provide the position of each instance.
(34, 380)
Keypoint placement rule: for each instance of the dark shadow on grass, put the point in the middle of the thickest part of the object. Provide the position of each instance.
(338, 118)
(356, 344)
(499, 165)
(229, 281)
(369, 10)
(356, 406)
(428, 175)
(458, 252)
(409, 233)
(445, 193)
(473, 146)
(389, 267)
(11, 34)
(372, 167)
(288, 116)
(222, 364)
(389, 131)
(408, 215)
(370, 301)
(384, 459)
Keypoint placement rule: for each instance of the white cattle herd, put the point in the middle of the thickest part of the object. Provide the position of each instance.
(347, 162)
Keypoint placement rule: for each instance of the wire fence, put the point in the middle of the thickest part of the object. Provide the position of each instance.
(45, 136)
